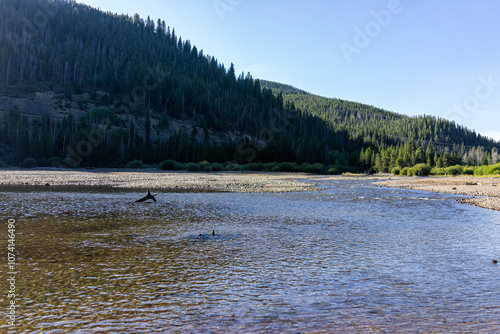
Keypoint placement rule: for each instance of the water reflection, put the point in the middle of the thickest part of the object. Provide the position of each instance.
(353, 258)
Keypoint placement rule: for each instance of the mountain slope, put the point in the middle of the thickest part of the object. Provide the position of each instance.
(124, 88)
(379, 129)
(370, 122)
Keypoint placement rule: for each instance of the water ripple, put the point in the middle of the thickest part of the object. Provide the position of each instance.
(351, 258)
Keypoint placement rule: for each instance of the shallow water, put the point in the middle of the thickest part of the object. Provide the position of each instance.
(350, 258)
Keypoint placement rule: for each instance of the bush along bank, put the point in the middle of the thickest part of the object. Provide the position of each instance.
(426, 170)
(283, 167)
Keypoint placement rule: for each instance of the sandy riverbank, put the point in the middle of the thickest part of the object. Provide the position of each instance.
(484, 191)
(159, 180)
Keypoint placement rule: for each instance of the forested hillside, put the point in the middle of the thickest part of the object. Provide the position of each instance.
(128, 88)
(390, 139)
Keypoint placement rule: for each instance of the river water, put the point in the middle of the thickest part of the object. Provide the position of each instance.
(349, 258)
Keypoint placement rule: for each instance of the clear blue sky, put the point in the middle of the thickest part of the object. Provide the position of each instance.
(417, 57)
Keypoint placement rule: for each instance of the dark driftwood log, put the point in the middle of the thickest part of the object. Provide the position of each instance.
(148, 196)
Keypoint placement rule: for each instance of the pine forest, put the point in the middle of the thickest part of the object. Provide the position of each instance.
(129, 92)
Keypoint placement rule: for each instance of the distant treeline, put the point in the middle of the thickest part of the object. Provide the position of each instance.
(102, 142)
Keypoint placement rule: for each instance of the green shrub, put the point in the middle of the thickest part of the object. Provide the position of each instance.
(255, 166)
(404, 171)
(205, 166)
(167, 165)
(230, 167)
(135, 164)
(192, 167)
(493, 169)
(317, 168)
(288, 167)
(338, 169)
(41, 162)
(437, 171)
(55, 162)
(479, 171)
(269, 167)
(179, 166)
(70, 163)
(421, 170)
(469, 171)
(305, 167)
(333, 171)
(217, 167)
(455, 170)
(396, 171)
(487, 170)
(28, 163)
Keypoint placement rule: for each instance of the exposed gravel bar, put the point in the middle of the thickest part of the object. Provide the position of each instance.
(483, 191)
(157, 180)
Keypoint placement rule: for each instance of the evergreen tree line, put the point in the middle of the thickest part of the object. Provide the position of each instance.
(392, 140)
(140, 77)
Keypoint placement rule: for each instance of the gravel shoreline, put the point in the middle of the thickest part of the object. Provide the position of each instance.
(480, 191)
(483, 192)
(245, 182)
